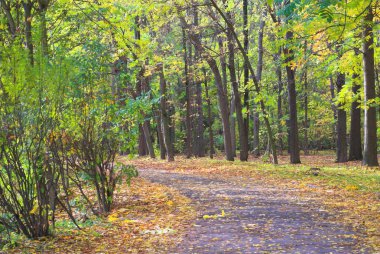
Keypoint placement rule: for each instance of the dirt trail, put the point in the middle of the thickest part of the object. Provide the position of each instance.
(257, 218)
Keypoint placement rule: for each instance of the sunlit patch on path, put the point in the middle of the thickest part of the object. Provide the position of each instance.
(248, 217)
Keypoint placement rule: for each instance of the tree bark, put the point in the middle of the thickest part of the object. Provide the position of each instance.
(142, 149)
(292, 96)
(233, 122)
(223, 62)
(142, 86)
(189, 149)
(222, 96)
(8, 14)
(246, 70)
(164, 116)
(356, 152)
(43, 5)
(243, 135)
(341, 144)
(306, 106)
(279, 100)
(200, 119)
(148, 138)
(254, 79)
(370, 126)
(259, 71)
(210, 120)
(160, 135)
(198, 86)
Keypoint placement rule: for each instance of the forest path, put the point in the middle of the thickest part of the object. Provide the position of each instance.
(258, 218)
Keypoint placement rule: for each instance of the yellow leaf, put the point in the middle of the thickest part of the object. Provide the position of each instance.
(34, 209)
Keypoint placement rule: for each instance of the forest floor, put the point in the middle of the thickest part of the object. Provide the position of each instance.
(146, 218)
(203, 205)
(248, 207)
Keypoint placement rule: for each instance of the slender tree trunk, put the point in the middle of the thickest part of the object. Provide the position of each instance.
(243, 135)
(143, 150)
(160, 135)
(256, 133)
(306, 107)
(164, 116)
(148, 138)
(172, 126)
(332, 92)
(223, 62)
(292, 96)
(11, 23)
(370, 126)
(210, 120)
(223, 106)
(259, 71)
(223, 66)
(254, 79)
(356, 152)
(142, 86)
(200, 128)
(341, 145)
(43, 5)
(222, 96)
(246, 70)
(189, 149)
(306, 118)
(279, 100)
(233, 123)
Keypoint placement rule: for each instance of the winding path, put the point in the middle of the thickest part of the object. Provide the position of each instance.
(257, 218)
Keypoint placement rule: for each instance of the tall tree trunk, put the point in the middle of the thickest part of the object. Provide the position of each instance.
(292, 96)
(246, 70)
(200, 118)
(209, 116)
(198, 86)
(254, 79)
(172, 126)
(142, 86)
(148, 138)
(259, 71)
(279, 100)
(160, 135)
(306, 107)
(223, 66)
(223, 107)
(223, 62)
(233, 122)
(164, 116)
(243, 135)
(341, 145)
(222, 96)
(370, 127)
(11, 23)
(333, 107)
(256, 132)
(142, 149)
(189, 149)
(356, 152)
(43, 5)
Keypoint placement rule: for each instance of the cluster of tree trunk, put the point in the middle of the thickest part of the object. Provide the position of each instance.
(234, 106)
